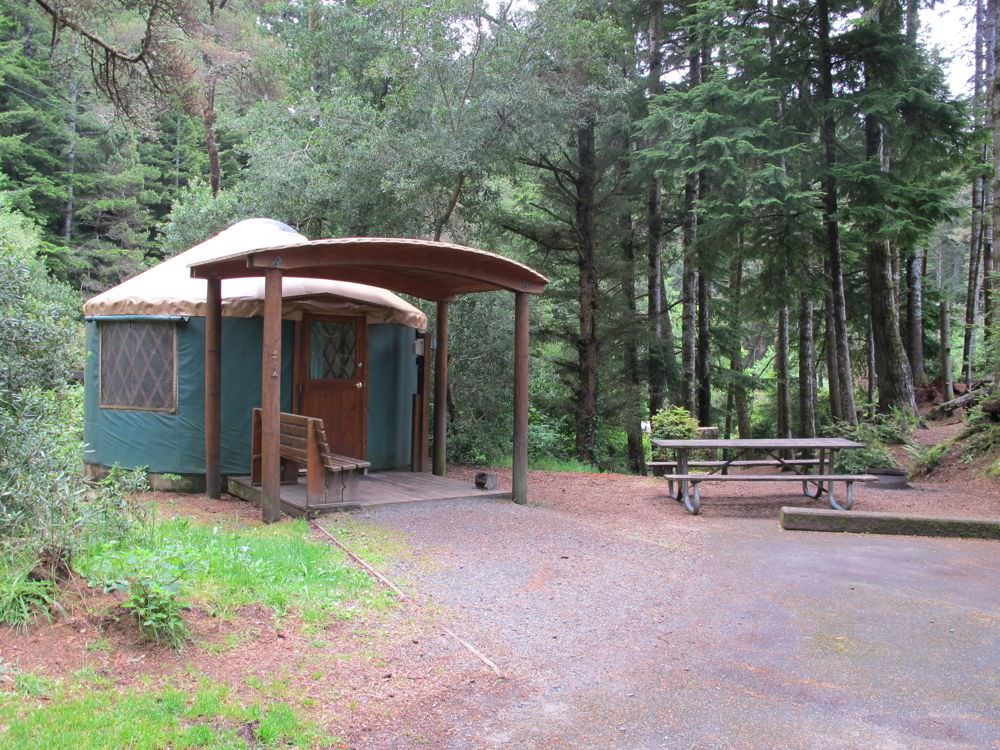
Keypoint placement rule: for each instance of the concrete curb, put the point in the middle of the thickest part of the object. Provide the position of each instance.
(860, 522)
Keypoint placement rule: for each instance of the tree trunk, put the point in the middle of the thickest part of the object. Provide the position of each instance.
(630, 344)
(945, 349)
(832, 371)
(895, 381)
(915, 315)
(657, 365)
(689, 280)
(704, 353)
(781, 369)
(738, 389)
(989, 254)
(845, 383)
(587, 350)
(912, 21)
(69, 209)
(872, 370)
(975, 235)
(807, 369)
(208, 119)
(689, 292)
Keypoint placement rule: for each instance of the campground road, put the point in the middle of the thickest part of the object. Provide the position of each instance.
(733, 634)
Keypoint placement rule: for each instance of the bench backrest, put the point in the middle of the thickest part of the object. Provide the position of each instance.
(301, 439)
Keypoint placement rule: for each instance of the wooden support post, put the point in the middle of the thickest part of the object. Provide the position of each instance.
(213, 389)
(441, 391)
(521, 364)
(270, 398)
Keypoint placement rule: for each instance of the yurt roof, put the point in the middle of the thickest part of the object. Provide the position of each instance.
(169, 289)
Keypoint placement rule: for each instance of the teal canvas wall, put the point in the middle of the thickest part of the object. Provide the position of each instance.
(392, 382)
(174, 443)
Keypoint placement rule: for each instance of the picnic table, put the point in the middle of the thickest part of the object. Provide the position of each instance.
(798, 469)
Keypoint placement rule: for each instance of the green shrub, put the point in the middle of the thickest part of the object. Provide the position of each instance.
(151, 580)
(927, 459)
(859, 460)
(23, 598)
(674, 423)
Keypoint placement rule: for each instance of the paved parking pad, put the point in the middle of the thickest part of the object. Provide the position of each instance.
(741, 635)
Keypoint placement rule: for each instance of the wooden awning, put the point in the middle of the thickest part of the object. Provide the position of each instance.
(436, 271)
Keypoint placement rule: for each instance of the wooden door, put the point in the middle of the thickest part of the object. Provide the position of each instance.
(332, 380)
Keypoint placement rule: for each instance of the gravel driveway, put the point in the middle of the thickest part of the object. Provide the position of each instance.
(734, 634)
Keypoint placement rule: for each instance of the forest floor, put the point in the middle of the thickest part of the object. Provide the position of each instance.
(615, 618)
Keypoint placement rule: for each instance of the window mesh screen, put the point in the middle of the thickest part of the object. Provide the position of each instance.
(137, 365)
(332, 350)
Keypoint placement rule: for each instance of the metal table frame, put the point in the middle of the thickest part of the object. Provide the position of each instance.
(826, 447)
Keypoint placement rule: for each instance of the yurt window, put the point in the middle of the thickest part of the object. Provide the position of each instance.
(139, 365)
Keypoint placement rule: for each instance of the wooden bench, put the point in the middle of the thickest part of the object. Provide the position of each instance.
(659, 465)
(693, 500)
(331, 479)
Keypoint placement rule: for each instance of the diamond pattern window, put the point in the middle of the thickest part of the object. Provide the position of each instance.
(332, 350)
(139, 365)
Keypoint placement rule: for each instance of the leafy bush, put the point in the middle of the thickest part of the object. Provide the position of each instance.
(859, 460)
(47, 512)
(151, 579)
(894, 428)
(927, 458)
(982, 428)
(674, 423)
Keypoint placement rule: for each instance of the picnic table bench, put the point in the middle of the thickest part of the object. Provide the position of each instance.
(688, 484)
(331, 479)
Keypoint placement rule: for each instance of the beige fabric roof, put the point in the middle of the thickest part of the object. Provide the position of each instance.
(169, 289)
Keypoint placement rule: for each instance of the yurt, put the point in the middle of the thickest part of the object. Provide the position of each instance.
(145, 378)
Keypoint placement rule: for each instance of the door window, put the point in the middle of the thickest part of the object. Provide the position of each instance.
(332, 350)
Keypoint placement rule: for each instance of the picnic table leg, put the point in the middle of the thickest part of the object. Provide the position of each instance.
(849, 493)
(692, 500)
(682, 485)
(819, 483)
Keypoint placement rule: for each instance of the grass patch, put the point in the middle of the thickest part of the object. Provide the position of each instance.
(78, 715)
(223, 570)
(23, 599)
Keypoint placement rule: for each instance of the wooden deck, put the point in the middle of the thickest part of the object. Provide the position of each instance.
(376, 489)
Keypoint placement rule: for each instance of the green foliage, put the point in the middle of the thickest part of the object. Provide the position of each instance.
(37, 315)
(894, 428)
(23, 598)
(927, 458)
(151, 580)
(874, 454)
(674, 423)
(982, 429)
(80, 714)
(196, 215)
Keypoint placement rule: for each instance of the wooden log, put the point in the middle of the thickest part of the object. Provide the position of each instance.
(521, 367)
(945, 409)
(213, 389)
